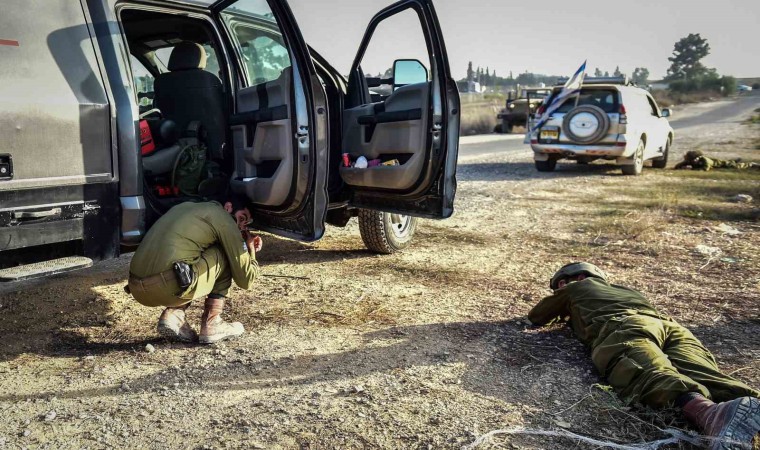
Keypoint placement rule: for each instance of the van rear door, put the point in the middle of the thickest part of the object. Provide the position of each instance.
(58, 193)
(279, 123)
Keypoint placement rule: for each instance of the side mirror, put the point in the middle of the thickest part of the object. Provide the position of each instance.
(665, 112)
(408, 71)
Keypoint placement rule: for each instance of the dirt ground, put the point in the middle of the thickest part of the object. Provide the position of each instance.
(424, 349)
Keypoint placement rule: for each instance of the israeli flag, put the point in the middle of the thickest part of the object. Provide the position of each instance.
(572, 87)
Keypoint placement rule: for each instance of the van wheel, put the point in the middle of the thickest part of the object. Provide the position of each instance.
(662, 161)
(384, 232)
(546, 166)
(638, 161)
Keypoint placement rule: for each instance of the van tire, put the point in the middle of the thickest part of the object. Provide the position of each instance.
(386, 233)
(546, 166)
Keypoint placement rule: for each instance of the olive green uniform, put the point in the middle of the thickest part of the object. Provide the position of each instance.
(203, 235)
(646, 356)
(705, 163)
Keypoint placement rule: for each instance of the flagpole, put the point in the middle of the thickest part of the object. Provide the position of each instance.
(583, 76)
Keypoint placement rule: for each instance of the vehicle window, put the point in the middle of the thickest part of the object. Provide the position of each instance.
(143, 80)
(258, 39)
(397, 37)
(653, 106)
(606, 99)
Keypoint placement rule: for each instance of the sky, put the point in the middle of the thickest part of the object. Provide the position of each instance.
(550, 37)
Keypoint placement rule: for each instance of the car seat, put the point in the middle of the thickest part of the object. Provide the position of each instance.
(188, 93)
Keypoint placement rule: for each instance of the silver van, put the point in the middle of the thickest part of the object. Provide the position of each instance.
(86, 85)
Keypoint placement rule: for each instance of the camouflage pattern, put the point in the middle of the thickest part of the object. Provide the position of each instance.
(644, 355)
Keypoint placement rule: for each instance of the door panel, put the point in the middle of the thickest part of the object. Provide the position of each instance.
(418, 124)
(279, 122)
(393, 129)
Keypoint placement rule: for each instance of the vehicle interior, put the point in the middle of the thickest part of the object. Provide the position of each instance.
(180, 73)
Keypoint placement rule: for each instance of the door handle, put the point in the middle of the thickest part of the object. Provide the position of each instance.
(31, 215)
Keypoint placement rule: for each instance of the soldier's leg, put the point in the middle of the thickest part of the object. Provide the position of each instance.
(212, 274)
(214, 280)
(630, 356)
(690, 357)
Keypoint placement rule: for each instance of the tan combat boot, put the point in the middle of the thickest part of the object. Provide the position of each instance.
(172, 325)
(213, 327)
(733, 424)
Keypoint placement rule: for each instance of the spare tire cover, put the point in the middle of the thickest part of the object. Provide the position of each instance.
(586, 124)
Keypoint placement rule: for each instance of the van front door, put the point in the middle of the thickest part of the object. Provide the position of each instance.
(402, 115)
(279, 123)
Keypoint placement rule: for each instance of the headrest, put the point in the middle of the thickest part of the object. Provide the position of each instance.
(187, 56)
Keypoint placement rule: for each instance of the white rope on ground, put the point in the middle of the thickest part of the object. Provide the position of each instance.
(675, 437)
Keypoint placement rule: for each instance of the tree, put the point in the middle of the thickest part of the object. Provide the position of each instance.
(598, 73)
(470, 72)
(640, 76)
(606, 74)
(685, 63)
(617, 73)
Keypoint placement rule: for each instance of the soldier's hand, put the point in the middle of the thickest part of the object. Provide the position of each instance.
(258, 243)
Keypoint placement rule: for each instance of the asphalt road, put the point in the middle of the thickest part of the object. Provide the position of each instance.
(725, 111)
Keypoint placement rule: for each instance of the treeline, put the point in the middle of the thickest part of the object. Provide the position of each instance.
(488, 79)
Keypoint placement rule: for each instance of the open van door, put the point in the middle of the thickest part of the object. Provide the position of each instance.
(406, 119)
(279, 120)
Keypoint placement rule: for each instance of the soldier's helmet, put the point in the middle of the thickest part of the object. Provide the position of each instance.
(691, 155)
(574, 269)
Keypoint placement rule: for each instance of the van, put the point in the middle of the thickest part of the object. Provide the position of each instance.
(100, 100)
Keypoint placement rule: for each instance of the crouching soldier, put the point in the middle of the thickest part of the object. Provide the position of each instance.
(696, 160)
(195, 250)
(648, 357)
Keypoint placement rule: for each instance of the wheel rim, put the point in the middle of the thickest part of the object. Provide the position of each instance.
(400, 224)
(584, 125)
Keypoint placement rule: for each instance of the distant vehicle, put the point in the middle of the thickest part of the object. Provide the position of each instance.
(609, 119)
(517, 110)
(743, 88)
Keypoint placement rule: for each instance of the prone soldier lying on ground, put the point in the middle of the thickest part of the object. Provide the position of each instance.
(195, 250)
(696, 160)
(648, 357)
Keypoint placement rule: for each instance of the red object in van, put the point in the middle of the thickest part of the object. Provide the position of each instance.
(147, 146)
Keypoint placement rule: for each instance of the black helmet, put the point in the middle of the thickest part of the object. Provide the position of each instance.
(574, 269)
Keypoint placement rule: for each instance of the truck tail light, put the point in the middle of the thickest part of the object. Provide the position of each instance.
(623, 118)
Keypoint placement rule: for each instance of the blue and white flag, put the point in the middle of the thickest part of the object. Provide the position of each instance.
(571, 87)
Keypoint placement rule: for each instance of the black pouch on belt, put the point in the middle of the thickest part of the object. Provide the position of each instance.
(184, 274)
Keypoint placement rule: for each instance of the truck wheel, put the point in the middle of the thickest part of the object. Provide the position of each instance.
(546, 166)
(384, 232)
(638, 161)
(662, 161)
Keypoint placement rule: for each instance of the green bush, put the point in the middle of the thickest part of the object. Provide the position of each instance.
(711, 83)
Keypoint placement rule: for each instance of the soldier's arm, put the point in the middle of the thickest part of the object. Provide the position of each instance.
(243, 265)
(681, 165)
(549, 309)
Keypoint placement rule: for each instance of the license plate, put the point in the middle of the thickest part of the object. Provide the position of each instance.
(550, 134)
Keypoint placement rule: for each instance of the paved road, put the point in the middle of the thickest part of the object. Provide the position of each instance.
(726, 111)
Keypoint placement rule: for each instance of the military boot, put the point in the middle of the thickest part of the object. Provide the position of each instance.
(213, 327)
(732, 424)
(173, 325)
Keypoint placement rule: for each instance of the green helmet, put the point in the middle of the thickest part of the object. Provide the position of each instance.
(574, 269)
